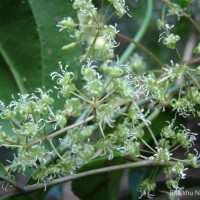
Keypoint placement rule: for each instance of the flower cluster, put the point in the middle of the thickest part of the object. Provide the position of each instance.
(111, 112)
(120, 7)
(146, 187)
(169, 39)
(91, 30)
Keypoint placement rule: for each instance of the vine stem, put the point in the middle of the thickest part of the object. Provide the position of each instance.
(142, 48)
(31, 188)
(127, 53)
(147, 125)
(61, 131)
(178, 53)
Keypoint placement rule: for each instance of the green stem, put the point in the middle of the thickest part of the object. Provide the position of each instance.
(152, 116)
(51, 143)
(163, 12)
(32, 188)
(152, 134)
(194, 79)
(175, 148)
(64, 130)
(142, 48)
(14, 72)
(148, 146)
(193, 22)
(101, 129)
(154, 172)
(127, 53)
(178, 53)
(147, 163)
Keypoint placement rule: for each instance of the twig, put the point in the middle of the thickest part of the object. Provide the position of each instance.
(142, 48)
(59, 132)
(31, 188)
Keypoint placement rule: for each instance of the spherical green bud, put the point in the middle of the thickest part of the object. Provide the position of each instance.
(172, 184)
(116, 71)
(73, 107)
(162, 156)
(197, 49)
(171, 40)
(161, 24)
(94, 87)
(7, 114)
(29, 129)
(67, 90)
(48, 100)
(68, 23)
(139, 133)
(61, 120)
(89, 73)
(192, 160)
(146, 187)
(198, 70)
(133, 149)
(182, 138)
(167, 132)
(105, 114)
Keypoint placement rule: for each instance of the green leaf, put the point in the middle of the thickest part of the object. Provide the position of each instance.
(6, 81)
(47, 13)
(183, 3)
(19, 46)
(100, 186)
(30, 45)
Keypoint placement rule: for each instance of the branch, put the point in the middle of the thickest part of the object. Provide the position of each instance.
(142, 48)
(31, 188)
(61, 131)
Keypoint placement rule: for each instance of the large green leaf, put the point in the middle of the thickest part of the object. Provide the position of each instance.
(19, 48)
(102, 186)
(30, 44)
(7, 82)
(47, 13)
